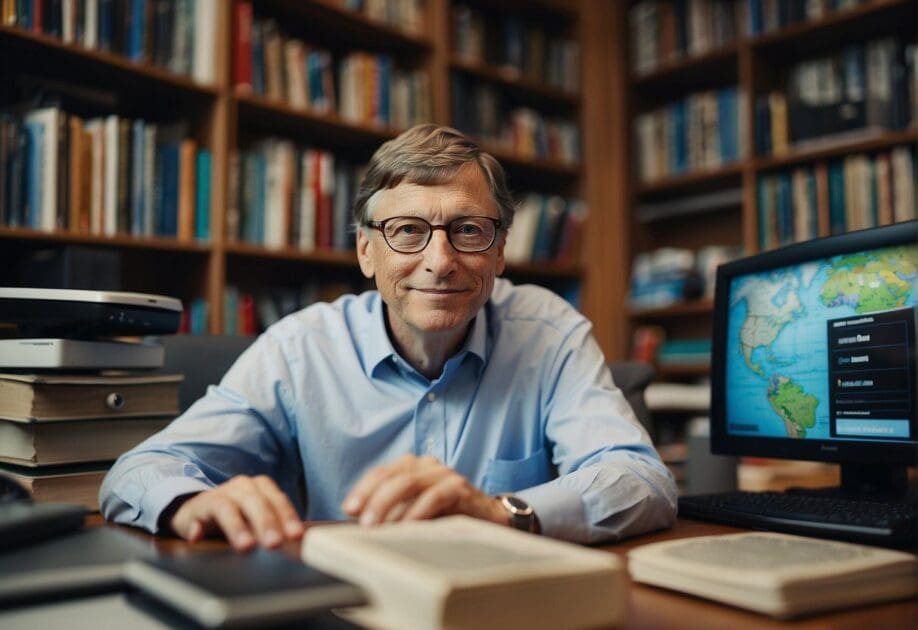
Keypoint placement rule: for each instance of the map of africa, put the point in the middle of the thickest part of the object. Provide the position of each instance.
(776, 337)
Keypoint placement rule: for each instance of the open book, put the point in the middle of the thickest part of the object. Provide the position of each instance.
(776, 574)
(460, 572)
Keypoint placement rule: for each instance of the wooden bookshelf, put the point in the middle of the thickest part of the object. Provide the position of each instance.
(756, 65)
(680, 309)
(511, 79)
(224, 119)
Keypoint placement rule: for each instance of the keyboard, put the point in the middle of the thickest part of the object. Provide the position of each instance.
(872, 522)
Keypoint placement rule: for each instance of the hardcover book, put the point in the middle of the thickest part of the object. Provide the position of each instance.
(460, 572)
(43, 397)
(776, 574)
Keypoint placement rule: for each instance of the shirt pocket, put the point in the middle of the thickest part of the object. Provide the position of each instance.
(512, 475)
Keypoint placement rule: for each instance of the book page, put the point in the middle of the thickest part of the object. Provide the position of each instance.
(764, 552)
(459, 555)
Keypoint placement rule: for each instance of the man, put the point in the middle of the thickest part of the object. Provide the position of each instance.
(440, 393)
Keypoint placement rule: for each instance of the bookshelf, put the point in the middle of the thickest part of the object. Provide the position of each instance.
(759, 63)
(227, 120)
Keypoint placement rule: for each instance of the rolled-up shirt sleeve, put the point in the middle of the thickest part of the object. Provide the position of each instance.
(241, 426)
(611, 481)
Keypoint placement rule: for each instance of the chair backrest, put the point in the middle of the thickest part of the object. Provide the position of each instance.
(202, 359)
(633, 377)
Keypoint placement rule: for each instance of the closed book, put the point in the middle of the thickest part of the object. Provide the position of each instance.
(44, 397)
(242, 46)
(73, 441)
(228, 589)
(202, 196)
(460, 572)
(776, 574)
(61, 484)
(186, 194)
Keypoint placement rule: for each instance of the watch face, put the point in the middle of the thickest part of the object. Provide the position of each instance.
(518, 504)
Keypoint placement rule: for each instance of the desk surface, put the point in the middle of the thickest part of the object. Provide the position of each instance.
(650, 607)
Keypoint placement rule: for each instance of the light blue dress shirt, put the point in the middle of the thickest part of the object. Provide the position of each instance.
(526, 406)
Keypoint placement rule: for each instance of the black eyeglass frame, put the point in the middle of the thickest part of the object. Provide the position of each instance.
(381, 226)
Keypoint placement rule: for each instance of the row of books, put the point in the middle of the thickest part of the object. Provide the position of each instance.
(195, 317)
(546, 228)
(703, 130)
(765, 16)
(59, 436)
(362, 87)
(248, 313)
(860, 191)
(177, 35)
(284, 195)
(479, 109)
(668, 275)
(665, 31)
(407, 15)
(108, 175)
(861, 89)
(523, 48)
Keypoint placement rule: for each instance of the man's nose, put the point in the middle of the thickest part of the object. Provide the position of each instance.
(439, 255)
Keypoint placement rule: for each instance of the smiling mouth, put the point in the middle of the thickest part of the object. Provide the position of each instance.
(440, 291)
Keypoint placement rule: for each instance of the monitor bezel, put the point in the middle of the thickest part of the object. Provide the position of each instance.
(836, 451)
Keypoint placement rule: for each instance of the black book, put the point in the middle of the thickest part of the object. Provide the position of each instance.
(228, 588)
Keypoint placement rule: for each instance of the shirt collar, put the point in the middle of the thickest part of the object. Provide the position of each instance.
(377, 347)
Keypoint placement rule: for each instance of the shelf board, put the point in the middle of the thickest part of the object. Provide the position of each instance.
(568, 271)
(844, 146)
(703, 306)
(532, 165)
(511, 78)
(110, 61)
(152, 243)
(836, 28)
(692, 180)
(352, 28)
(720, 61)
(330, 257)
(665, 372)
(335, 128)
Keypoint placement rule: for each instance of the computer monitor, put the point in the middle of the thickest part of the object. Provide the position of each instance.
(813, 356)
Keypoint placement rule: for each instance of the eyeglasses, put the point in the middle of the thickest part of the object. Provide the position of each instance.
(410, 235)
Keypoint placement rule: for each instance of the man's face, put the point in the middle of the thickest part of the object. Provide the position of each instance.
(437, 290)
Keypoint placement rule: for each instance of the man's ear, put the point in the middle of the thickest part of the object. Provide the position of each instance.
(365, 253)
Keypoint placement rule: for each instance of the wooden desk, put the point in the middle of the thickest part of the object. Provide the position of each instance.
(651, 607)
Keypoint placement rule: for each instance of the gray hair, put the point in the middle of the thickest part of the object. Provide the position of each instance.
(426, 155)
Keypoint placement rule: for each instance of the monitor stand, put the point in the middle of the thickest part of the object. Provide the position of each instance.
(869, 481)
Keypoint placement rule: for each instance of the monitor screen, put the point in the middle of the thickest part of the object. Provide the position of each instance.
(814, 350)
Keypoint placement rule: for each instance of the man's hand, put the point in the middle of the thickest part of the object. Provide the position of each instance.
(249, 511)
(417, 488)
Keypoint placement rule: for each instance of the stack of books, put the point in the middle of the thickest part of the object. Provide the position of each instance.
(73, 398)
(60, 432)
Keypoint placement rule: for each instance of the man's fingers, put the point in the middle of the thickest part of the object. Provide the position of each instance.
(229, 519)
(438, 499)
(257, 510)
(399, 489)
(356, 500)
(286, 514)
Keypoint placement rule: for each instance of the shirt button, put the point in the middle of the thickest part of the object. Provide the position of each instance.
(431, 396)
(430, 445)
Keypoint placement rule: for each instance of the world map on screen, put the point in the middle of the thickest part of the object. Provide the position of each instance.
(777, 365)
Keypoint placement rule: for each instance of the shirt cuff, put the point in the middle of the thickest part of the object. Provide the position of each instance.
(165, 492)
(559, 510)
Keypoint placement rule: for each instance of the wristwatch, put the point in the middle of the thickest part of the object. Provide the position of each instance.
(522, 516)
